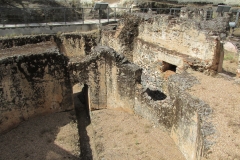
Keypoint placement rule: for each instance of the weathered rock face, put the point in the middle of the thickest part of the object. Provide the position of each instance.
(110, 77)
(70, 44)
(190, 123)
(164, 41)
(182, 39)
(157, 40)
(32, 85)
(122, 40)
(177, 41)
(39, 83)
(23, 40)
(34, 76)
(183, 116)
(75, 44)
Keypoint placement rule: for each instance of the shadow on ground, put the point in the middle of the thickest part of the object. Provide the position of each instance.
(83, 118)
(229, 73)
(39, 138)
(155, 94)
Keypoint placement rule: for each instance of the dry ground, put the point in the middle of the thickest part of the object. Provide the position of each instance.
(230, 63)
(223, 96)
(121, 136)
(51, 137)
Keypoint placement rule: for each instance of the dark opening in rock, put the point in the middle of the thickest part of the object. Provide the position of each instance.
(167, 66)
(155, 94)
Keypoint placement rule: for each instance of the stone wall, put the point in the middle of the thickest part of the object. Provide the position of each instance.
(185, 43)
(78, 44)
(184, 117)
(190, 128)
(229, 2)
(70, 44)
(181, 38)
(32, 85)
(110, 77)
(151, 40)
(34, 82)
(122, 39)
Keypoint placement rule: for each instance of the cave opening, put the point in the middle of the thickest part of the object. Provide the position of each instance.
(168, 66)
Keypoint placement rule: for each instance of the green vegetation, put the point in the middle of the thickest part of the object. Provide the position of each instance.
(229, 56)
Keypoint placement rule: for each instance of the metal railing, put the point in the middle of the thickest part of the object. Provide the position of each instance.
(68, 16)
(56, 15)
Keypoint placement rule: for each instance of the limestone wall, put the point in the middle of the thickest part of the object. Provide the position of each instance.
(40, 83)
(229, 2)
(180, 114)
(32, 85)
(182, 38)
(78, 44)
(110, 77)
(152, 40)
(190, 128)
(183, 43)
(122, 39)
(70, 44)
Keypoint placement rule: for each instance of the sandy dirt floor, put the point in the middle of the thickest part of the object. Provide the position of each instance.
(119, 135)
(51, 137)
(223, 96)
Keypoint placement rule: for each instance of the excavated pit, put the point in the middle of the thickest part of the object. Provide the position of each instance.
(84, 140)
(129, 139)
(125, 103)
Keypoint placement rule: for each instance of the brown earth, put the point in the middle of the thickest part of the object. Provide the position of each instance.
(28, 49)
(119, 135)
(48, 137)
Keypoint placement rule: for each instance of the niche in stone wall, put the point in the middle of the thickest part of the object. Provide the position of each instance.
(167, 66)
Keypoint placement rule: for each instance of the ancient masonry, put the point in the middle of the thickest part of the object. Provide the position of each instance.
(37, 73)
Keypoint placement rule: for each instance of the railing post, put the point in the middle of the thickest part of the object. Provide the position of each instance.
(115, 9)
(45, 16)
(24, 17)
(83, 15)
(108, 14)
(99, 16)
(65, 16)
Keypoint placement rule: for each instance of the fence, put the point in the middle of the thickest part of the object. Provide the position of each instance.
(63, 15)
(44, 16)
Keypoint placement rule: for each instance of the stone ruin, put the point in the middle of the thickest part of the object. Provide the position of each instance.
(124, 66)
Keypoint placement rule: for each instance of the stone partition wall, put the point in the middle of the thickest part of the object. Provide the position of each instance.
(70, 44)
(110, 76)
(197, 46)
(78, 44)
(40, 83)
(183, 116)
(6, 42)
(185, 43)
(191, 127)
(122, 39)
(31, 85)
(155, 40)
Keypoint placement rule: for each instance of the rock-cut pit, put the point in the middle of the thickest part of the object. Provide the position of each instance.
(116, 92)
